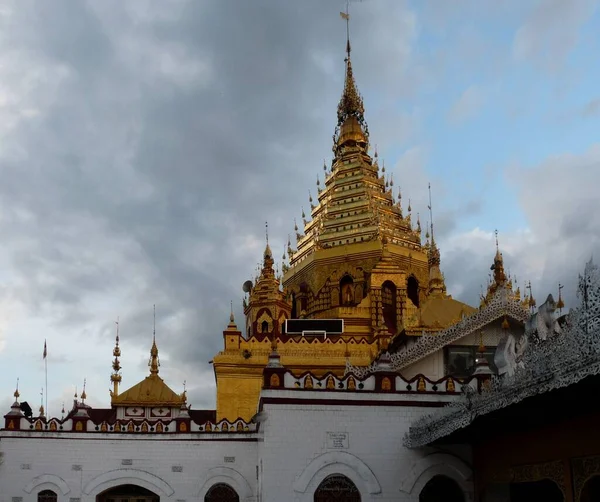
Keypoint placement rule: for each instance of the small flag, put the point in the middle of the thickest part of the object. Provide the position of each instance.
(45, 350)
(344, 16)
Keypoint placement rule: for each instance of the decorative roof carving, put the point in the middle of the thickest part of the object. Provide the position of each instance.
(552, 359)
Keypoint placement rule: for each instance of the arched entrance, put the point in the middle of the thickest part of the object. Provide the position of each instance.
(127, 493)
(388, 300)
(441, 489)
(545, 489)
(412, 290)
(591, 489)
(221, 492)
(347, 290)
(47, 496)
(337, 488)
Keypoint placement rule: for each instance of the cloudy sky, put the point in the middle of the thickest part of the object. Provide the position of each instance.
(143, 144)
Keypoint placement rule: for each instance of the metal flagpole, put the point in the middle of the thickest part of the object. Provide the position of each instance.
(46, 370)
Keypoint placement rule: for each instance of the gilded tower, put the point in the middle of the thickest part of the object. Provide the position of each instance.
(360, 258)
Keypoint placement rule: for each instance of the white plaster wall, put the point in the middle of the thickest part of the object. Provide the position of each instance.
(290, 452)
(295, 455)
(431, 366)
(31, 463)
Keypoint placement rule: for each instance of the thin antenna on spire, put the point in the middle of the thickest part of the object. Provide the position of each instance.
(117, 323)
(267, 231)
(154, 323)
(348, 27)
(496, 233)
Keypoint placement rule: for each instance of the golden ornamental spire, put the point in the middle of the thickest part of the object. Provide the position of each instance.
(83, 393)
(154, 363)
(115, 377)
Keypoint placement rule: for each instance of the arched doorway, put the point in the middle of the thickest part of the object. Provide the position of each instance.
(347, 290)
(412, 290)
(591, 489)
(388, 300)
(127, 493)
(337, 488)
(221, 492)
(441, 489)
(47, 496)
(545, 489)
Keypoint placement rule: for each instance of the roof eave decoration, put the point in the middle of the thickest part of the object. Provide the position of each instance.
(500, 305)
(555, 357)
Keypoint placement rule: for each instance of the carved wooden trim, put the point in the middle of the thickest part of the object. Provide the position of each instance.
(583, 469)
(554, 471)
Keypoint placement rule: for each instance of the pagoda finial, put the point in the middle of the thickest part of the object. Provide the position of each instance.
(115, 377)
(16, 394)
(154, 363)
(351, 103)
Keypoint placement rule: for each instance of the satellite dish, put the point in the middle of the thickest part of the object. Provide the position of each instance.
(247, 286)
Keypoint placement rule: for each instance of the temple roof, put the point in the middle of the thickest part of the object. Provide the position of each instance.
(442, 311)
(152, 390)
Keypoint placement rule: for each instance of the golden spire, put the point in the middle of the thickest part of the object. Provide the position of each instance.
(231, 326)
(351, 121)
(16, 394)
(154, 363)
(115, 377)
(83, 394)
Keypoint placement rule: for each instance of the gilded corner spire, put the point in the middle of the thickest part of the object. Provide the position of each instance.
(154, 363)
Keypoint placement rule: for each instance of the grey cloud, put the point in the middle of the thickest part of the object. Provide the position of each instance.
(160, 143)
(467, 106)
(592, 108)
(551, 31)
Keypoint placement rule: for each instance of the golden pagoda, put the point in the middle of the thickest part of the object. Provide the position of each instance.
(360, 259)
